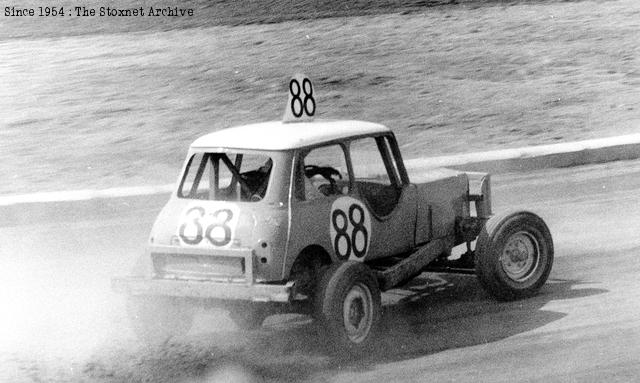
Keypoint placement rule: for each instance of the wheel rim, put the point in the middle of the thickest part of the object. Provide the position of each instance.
(520, 256)
(357, 313)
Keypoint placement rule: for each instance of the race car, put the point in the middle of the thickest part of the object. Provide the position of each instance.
(320, 217)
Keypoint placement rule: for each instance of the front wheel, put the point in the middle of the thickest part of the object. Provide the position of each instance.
(347, 303)
(514, 255)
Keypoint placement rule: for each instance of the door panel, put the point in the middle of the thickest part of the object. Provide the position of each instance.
(394, 233)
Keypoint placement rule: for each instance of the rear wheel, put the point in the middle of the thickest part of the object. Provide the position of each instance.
(155, 320)
(348, 305)
(514, 255)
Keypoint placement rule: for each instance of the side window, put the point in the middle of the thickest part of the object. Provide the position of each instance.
(323, 172)
(376, 177)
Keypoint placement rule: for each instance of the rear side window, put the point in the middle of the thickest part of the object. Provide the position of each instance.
(377, 179)
(372, 161)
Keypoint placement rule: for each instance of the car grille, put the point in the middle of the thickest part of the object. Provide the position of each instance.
(194, 266)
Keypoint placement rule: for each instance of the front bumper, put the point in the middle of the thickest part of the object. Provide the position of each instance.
(237, 287)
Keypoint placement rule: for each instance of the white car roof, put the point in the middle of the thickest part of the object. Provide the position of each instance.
(276, 135)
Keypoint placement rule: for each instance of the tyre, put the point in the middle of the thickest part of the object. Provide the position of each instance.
(347, 303)
(514, 255)
(248, 316)
(155, 320)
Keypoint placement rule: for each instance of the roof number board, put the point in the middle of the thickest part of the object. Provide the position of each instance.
(301, 105)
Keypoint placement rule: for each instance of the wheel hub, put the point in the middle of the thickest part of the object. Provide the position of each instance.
(358, 313)
(520, 256)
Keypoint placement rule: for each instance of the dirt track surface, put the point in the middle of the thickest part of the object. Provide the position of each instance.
(584, 326)
(99, 110)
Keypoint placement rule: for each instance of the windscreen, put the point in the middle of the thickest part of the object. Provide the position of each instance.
(226, 177)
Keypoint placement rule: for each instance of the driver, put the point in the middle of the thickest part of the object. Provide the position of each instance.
(264, 171)
(310, 191)
(318, 189)
(258, 180)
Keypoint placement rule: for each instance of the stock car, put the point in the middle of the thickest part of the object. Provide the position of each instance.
(320, 217)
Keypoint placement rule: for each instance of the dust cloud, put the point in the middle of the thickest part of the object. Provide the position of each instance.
(50, 310)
